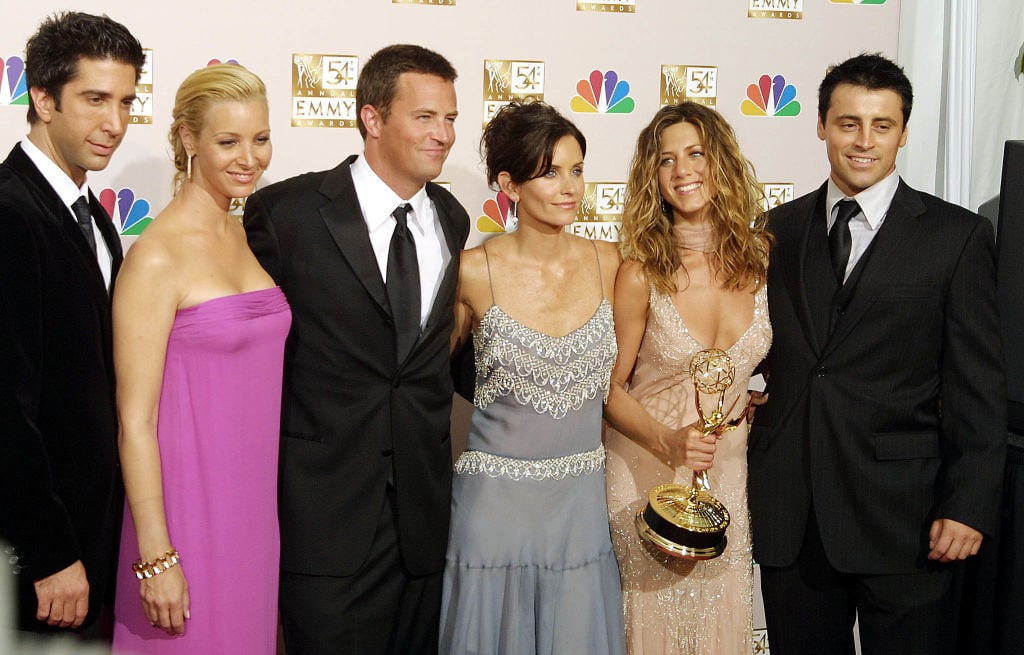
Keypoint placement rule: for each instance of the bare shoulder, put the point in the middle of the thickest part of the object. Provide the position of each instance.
(474, 281)
(473, 264)
(632, 276)
(609, 254)
(152, 254)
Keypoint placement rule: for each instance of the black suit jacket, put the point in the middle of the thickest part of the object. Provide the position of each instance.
(352, 415)
(886, 405)
(59, 474)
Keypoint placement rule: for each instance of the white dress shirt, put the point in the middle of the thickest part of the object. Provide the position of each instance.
(874, 205)
(377, 200)
(69, 193)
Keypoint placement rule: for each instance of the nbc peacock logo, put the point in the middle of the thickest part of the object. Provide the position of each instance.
(13, 88)
(496, 218)
(771, 96)
(126, 210)
(215, 61)
(602, 93)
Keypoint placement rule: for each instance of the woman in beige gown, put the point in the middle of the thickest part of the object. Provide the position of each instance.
(692, 280)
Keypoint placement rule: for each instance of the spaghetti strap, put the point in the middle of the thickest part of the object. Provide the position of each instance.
(600, 276)
(487, 259)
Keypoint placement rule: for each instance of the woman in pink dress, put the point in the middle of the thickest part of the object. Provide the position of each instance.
(199, 331)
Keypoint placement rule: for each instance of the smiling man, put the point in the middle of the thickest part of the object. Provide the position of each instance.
(368, 255)
(61, 502)
(875, 465)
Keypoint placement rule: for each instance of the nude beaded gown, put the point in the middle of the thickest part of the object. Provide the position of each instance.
(675, 606)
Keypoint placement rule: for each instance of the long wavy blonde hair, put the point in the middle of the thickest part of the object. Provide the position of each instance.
(737, 216)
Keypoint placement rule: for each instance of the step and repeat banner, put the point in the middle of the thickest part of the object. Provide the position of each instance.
(606, 64)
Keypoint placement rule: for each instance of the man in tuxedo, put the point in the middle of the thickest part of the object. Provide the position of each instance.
(61, 507)
(876, 463)
(367, 254)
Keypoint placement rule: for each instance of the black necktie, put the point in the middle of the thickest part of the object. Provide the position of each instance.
(84, 216)
(839, 237)
(403, 284)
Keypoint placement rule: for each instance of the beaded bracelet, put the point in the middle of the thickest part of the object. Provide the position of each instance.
(145, 570)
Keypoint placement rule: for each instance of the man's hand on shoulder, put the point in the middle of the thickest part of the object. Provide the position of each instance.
(951, 540)
(63, 597)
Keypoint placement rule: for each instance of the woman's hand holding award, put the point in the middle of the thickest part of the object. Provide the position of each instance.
(689, 522)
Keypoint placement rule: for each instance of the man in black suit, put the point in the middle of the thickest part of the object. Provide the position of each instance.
(365, 451)
(59, 253)
(876, 463)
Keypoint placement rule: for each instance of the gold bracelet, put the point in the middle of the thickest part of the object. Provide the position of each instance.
(144, 570)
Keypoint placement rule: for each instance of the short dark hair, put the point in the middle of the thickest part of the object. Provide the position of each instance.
(378, 79)
(871, 71)
(520, 140)
(52, 53)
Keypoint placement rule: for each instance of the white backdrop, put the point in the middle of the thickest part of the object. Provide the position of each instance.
(715, 50)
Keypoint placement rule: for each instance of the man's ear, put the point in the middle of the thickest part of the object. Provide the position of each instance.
(44, 102)
(372, 120)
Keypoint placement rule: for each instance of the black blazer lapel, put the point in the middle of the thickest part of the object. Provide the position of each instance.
(886, 255)
(57, 211)
(792, 262)
(344, 220)
(110, 236)
(449, 277)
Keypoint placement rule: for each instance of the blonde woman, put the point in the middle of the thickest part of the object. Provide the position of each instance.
(199, 332)
(693, 278)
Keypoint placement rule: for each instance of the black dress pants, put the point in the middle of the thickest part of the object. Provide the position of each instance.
(380, 610)
(810, 607)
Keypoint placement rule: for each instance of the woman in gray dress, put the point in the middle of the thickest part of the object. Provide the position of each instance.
(530, 565)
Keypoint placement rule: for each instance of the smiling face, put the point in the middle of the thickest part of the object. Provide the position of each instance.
(863, 131)
(551, 199)
(94, 107)
(682, 173)
(408, 148)
(231, 150)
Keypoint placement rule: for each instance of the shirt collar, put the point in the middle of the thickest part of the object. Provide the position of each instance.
(378, 200)
(59, 181)
(874, 201)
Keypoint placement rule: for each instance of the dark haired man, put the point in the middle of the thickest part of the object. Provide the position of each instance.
(368, 254)
(61, 499)
(876, 463)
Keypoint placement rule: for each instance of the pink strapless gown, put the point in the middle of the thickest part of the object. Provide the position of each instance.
(219, 432)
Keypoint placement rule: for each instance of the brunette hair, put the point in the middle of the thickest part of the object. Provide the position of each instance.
(871, 71)
(520, 140)
(378, 79)
(53, 52)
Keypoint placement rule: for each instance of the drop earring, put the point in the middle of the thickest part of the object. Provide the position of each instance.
(188, 168)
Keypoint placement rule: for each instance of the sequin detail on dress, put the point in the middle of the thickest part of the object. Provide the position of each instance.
(475, 462)
(554, 375)
(675, 606)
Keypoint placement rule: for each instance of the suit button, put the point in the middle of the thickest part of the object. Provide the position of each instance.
(397, 382)
(819, 371)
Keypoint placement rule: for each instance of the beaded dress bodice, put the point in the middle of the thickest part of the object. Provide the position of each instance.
(551, 374)
(519, 368)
